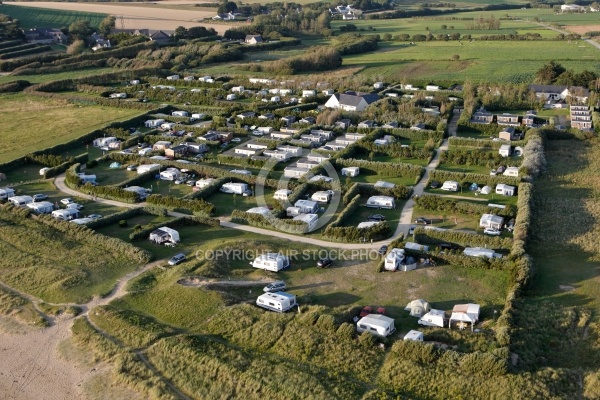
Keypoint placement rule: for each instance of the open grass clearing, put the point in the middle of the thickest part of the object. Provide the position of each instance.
(40, 123)
(474, 169)
(225, 203)
(473, 196)
(123, 233)
(110, 176)
(391, 216)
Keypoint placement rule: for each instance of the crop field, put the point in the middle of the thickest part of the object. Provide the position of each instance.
(39, 123)
(57, 266)
(32, 17)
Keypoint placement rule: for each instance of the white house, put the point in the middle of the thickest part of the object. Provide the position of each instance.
(277, 155)
(414, 335)
(505, 150)
(381, 202)
(376, 324)
(433, 318)
(234, 188)
(465, 313)
(66, 214)
(491, 221)
(505, 190)
(42, 207)
(278, 301)
(322, 196)
(480, 252)
(104, 141)
(350, 171)
(351, 101)
(282, 194)
(6, 192)
(170, 174)
(452, 186)
(511, 171)
(180, 114)
(309, 219)
(294, 172)
(432, 88)
(164, 235)
(142, 169)
(118, 95)
(271, 262)
(154, 123)
(20, 201)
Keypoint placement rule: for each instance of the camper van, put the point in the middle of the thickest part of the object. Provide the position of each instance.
(322, 196)
(381, 202)
(307, 206)
(66, 214)
(452, 186)
(20, 201)
(310, 220)
(278, 301)
(433, 318)
(378, 325)
(6, 192)
(235, 188)
(271, 262)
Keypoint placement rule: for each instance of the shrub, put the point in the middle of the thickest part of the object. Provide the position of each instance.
(123, 223)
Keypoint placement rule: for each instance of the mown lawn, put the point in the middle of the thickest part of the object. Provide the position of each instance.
(39, 123)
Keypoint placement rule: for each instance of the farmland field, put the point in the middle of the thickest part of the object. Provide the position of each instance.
(39, 123)
(40, 78)
(41, 17)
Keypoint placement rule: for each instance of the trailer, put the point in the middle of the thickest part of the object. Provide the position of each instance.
(381, 202)
(170, 174)
(307, 206)
(271, 262)
(378, 325)
(6, 192)
(66, 214)
(42, 207)
(451, 186)
(142, 169)
(415, 246)
(20, 201)
(322, 196)
(282, 194)
(433, 318)
(164, 235)
(278, 301)
(235, 188)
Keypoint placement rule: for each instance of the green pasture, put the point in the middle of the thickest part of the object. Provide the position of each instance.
(31, 17)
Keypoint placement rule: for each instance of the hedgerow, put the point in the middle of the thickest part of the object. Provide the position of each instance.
(480, 179)
(198, 206)
(260, 221)
(439, 203)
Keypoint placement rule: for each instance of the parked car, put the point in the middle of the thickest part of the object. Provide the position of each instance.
(277, 286)
(324, 262)
(411, 230)
(179, 181)
(383, 249)
(132, 167)
(66, 201)
(492, 232)
(376, 217)
(236, 139)
(380, 310)
(366, 311)
(176, 259)
(143, 145)
(424, 221)
(94, 216)
(40, 197)
(75, 206)
(435, 184)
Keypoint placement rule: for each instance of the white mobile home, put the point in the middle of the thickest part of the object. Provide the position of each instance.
(322, 196)
(118, 95)
(231, 97)
(309, 219)
(414, 335)
(170, 174)
(278, 301)
(142, 169)
(259, 210)
(378, 325)
(415, 246)
(20, 201)
(81, 221)
(367, 224)
(202, 183)
(234, 188)
(481, 252)
(452, 186)
(307, 206)
(104, 141)
(172, 77)
(505, 190)
(140, 191)
(271, 262)
(282, 194)
(294, 172)
(381, 202)
(433, 318)
(154, 123)
(465, 313)
(511, 171)
(66, 214)
(505, 150)
(491, 221)
(42, 207)
(6, 192)
(350, 171)
(179, 114)
(163, 235)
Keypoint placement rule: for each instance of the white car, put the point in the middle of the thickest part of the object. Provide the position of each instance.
(75, 206)
(66, 201)
(236, 139)
(492, 232)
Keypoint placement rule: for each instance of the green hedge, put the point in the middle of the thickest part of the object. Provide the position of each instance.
(398, 191)
(199, 207)
(180, 221)
(123, 215)
(25, 52)
(260, 221)
(435, 237)
(351, 192)
(480, 179)
(423, 135)
(346, 212)
(351, 234)
(469, 157)
(383, 168)
(298, 193)
(59, 169)
(481, 143)
(450, 205)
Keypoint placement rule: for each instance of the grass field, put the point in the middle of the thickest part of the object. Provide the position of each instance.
(40, 78)
(32, 17)
(37, 123)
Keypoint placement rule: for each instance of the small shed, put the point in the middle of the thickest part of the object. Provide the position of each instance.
(378, 325)
(416, 336)
(505, 150)
(418, 308)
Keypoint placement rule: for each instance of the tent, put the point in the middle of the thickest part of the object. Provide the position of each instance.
(486, 190)
(418, 308)
(115, 165)
(465, 314)
(473, 187)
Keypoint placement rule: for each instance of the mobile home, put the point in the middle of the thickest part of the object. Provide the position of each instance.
(322, 196)
(378, 325)
(142, 169)
(202, 183)
(310, 220)
(170, 174)
(104, 141)
(87, 178)
(20, 201)
(234, 188)
(414, 336)
(491, 221)
(307, 206)
(271, 262)
(6, 192)
(505, 190)
(481, 252)
(278, 301)
(415, 246)
(66, 214)
(452, 186)
(466, 313)
(179, 114)
(42, 207)
(350, 171)
(381, 202)
(511, 171)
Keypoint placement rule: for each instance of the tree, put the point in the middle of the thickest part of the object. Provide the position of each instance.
(80, 29)
(181, 33)
(227, 7)
(76, 47)
(107, 25)
(549, 73)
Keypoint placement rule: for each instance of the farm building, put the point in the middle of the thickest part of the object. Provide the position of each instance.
(42, 207)
(278, 301)
(378, 325)
(350, 171)
(170, 174)
(20, 201)
(164, 235)
(480, 252)
(465, 313)
(418, 308)
(511, 171)
(452, 186)
(142, 169)
(381, 202)
(271, 262)
(234, 188)
(491, 221)
(505, 150)
(433, 318)
(66, 214)
(414, 335)
(505, 190)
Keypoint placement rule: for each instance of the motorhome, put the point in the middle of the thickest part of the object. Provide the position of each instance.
(433, 318)
(66, 214)
(378, 325)
(20, 201)
(310, 220)
(278, 301)
(282, 194)
(381, 202)
(170, 174)
(235, 188)
(271, 262)
(452, 186)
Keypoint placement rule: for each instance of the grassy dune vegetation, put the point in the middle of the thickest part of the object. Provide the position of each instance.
(39, 123)
(31, 17)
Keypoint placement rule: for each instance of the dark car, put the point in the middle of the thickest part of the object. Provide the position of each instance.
(383, 249)
(424, 221)
(376, 217)
(435, 184)
(411, 230)
(177, 258)
(40, 197)
(366, 311)
(324, 262)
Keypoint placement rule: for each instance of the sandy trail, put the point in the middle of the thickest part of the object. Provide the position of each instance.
(138, 17)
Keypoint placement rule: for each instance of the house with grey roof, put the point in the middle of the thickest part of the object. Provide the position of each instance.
(351, 101)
